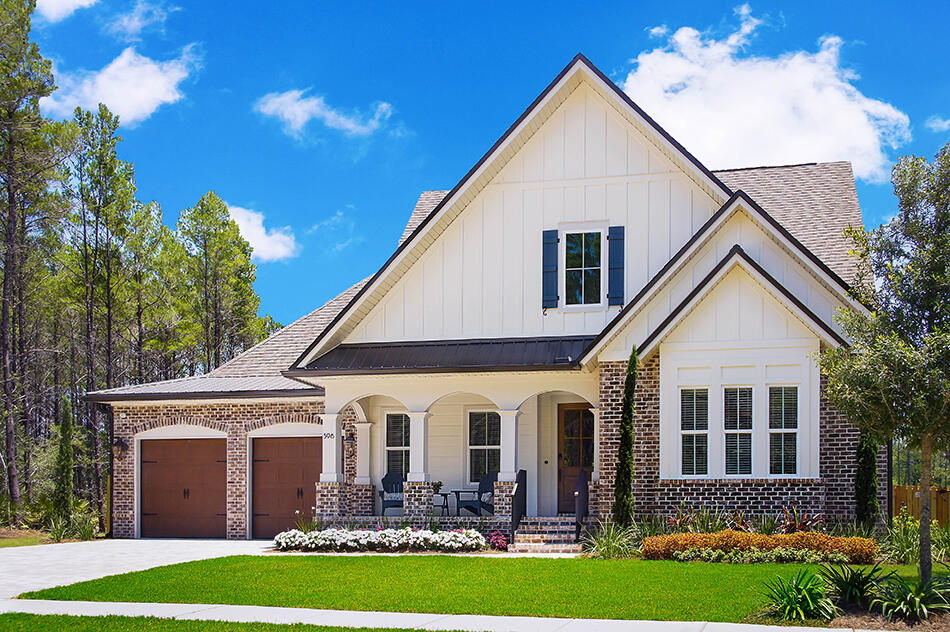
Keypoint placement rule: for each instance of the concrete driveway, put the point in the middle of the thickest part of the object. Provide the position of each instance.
(26, 568)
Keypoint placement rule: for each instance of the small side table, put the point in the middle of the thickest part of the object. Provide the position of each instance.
(444, 507)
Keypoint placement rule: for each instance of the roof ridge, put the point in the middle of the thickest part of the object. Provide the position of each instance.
(797, 164)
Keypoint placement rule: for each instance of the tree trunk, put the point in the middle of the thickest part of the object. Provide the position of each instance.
(926, 563)
(13, 483)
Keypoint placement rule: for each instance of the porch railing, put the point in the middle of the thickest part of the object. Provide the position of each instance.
(519, 501)
(581, 495)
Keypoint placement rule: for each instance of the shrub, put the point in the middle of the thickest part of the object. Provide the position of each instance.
(404, 539)
(84, 525)
(853, 585)
(799, 598)
(58, 528)
(901, 542)
(610, 540)
(778, 555)
(911, 601)
(856, 550)
(792, 522)
(498, 541)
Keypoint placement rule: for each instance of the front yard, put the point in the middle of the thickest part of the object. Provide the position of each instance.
(582, 588)
(56, 623)
(21, 537)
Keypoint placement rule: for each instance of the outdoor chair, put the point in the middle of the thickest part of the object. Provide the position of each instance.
(479, 502)
(391, 493)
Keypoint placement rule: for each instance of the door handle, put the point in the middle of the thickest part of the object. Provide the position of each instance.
(184, 492)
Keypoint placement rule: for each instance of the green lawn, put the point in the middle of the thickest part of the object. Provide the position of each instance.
(21, 537)
(57, 623)
(615, 589)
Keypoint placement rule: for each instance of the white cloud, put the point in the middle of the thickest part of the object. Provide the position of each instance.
(937, 124)
(274, 244)
(132, 85)
(337, 232)
(658, 31)
(295, 110)
(129, 26)
(733, 109)
(56, 10)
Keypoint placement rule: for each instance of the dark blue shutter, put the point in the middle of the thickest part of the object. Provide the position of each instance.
(549, 269)
(615, 265)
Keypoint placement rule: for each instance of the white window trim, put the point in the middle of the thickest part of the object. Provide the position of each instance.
(682, 432)
(798, 424)
(751, 431)
(387, 448)
(601, 226)
(467, 480)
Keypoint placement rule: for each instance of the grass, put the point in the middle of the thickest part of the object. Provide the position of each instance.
(21, 537)
(588, 588)
(56, 623)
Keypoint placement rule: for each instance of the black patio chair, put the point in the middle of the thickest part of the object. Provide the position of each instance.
(392, 486)
(478, 503)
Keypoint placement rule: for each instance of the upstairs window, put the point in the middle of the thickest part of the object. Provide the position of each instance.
(397, 444)
(582, 280)
(737, 423)
(783, 429)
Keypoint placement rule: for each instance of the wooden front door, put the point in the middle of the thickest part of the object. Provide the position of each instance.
(575, 448)
(284, 474)
(184, 488)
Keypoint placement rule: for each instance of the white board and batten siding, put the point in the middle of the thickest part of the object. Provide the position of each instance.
(482, 276)
(739, 335)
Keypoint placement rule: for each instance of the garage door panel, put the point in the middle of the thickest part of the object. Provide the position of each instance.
(184, 485)
(284, 472)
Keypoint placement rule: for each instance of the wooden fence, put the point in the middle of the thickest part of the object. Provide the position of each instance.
(909, 496)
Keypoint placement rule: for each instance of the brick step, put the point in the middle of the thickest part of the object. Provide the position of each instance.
(544, 538)
(547, 530)
(545, 548)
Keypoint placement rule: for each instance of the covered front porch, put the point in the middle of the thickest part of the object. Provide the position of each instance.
(443, 437)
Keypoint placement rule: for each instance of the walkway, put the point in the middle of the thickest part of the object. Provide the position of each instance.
(345, 618)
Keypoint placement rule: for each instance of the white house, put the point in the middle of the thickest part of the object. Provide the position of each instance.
(495, 339)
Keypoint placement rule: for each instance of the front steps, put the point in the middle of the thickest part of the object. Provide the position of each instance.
(545, 535)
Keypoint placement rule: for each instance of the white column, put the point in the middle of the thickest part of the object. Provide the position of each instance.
(331, 449)
(595, 475)
(362, 452)
(418, 448)
(509, 445)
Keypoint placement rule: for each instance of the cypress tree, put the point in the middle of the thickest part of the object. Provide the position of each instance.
(865, 481)
(63, 473)
(623, 486)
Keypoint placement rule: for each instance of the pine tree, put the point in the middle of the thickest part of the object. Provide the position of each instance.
(63, 473)
(623, 486)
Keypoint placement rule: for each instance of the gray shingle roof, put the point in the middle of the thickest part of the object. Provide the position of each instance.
(428, 200)
(814, 201)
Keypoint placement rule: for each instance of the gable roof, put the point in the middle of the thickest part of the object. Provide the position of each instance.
(814, 201)
(738, 257)
(254, 373)
(485, 168)
(428, 200)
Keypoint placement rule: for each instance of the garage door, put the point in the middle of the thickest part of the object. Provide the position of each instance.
(284, 473)
(184, 488)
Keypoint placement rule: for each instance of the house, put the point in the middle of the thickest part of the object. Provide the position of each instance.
(496, 337)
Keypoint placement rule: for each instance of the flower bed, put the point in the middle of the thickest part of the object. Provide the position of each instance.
(389, 540)
(778, 555)
(665, 547)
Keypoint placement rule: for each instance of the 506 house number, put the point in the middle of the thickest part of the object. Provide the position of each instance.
(329, 435)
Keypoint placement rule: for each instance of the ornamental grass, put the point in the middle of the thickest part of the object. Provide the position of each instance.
(663, 547)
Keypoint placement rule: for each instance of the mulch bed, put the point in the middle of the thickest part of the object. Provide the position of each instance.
(865, 621)
(7, 533)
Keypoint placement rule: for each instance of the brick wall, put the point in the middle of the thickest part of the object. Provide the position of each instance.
(417, 498)
(832, 494)
(235, 419)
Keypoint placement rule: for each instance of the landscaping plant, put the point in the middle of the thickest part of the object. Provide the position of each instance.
(610, 540)
(799, 598)
(853, 585)
(405, 539)
(623, 485)
(898, 598)
(793, 522)
(498, 541)
(664, 547)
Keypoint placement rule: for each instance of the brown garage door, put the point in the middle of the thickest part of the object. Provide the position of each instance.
(184, 485)
(284, 474)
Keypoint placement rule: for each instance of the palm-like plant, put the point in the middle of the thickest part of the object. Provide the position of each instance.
(916, 601)
(799, 598)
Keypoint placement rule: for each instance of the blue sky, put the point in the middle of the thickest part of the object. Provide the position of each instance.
(320, 123)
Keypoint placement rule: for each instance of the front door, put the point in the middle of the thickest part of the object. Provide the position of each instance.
(575, 448)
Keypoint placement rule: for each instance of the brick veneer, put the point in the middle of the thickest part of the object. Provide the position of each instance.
(501, 497)
(417, 498)
(832, 494)
(235, 419)
(330, 500)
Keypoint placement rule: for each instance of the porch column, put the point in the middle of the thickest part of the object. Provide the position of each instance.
(362, 452)
(508, 469)
(332, 470)
(595, 475)
(418, 450)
